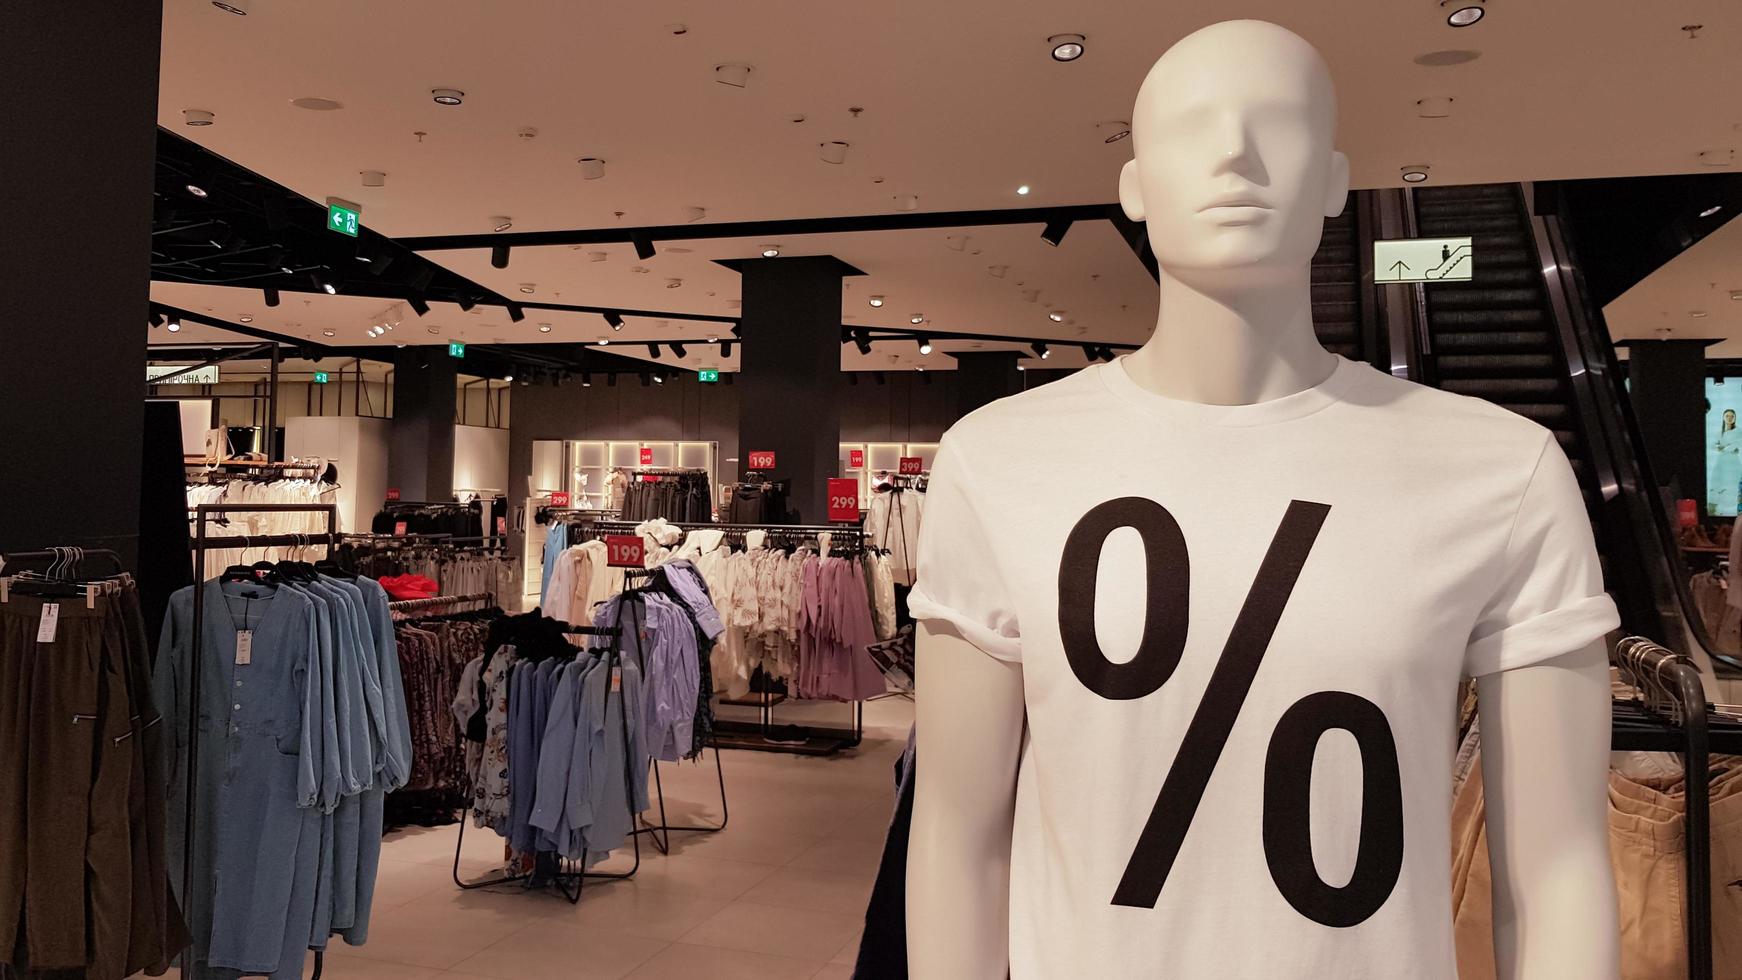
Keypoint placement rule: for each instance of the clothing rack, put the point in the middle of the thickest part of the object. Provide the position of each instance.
(1672, 715)
(613, 654)
(201, 544)
(845, 539)
(411, 605)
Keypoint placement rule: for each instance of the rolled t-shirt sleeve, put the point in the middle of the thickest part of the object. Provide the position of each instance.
(959, 581)
(1549, 598)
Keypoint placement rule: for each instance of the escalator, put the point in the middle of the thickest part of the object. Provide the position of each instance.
(1336, 288)
(1524, 335)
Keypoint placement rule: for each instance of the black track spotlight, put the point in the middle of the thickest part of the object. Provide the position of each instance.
(320, 285)
(924, 344)
(737, 330)
(1040, 351)
(586, 379)
(646, 380)
(418, 306)
(643, 245)
(466, 303)
(615, 319)
(1091, 352)
(515, 313)
(725, 348)
(862, 340)
(271, 294)
(499, 256)
(1055, 230)
(653, 351)
(678, 349)
(156, 319)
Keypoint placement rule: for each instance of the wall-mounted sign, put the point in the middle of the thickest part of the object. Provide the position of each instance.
(559, 498)
(320, 377)
(708, 375)
(625, 551)
(843, 499)
(392, 493)
(646, 455)
(762, 460)
(207, 375)
(1424, 260)
(343, 217)
(855, 459)
(912, 466)
(456, 348)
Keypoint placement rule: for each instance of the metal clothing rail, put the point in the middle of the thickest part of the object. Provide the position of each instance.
(201, 544)
(1675, 717)
(409, 605)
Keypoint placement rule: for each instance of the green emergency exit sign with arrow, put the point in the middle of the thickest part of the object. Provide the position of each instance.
(343, 217)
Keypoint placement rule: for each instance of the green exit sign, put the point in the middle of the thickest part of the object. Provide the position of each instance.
(320, 377)
(456, 349)
(708, 375)
(342, 219)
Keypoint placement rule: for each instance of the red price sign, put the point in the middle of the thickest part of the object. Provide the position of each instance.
(399, 529)
(501, 525)
(912, 466)
(559, 499)
(649, 478)
(1686, 513)
(762, 460)
(646, 455)
(843, 499)
(855, 459)
(392, 493)
(625, 551)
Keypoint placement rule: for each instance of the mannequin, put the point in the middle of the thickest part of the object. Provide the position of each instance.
(1234, 172)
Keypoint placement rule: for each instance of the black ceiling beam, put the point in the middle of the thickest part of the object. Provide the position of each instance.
(1136, 235)
(189, 316)
(876, 334)
(776, 228)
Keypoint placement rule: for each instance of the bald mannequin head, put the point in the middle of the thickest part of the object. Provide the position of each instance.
(1236, 166)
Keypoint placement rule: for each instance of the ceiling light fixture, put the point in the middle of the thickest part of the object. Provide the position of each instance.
(735, 75)
(501, 223)
(528, 288)
(1434, 107)
(916, 318)
(602, 343)
(447, 96)
(316, 104)
(906, 202)
(1023, 190)
(770, 251)
(196, 117)
(329, 333)
(1415, 173)
(924, 344)
(862, 340)
(544, 328)
(643, 245)
(174, 324)
(659, 377)
(418, 305)
(245, 318)
(1040, 351)
(876, 302)
(516, 313)
(726, 348)
(592, 168)
(586, 379)
(1055, 231)
(615, 319)
(508, 377)
(1464, 12)
(834, 151)
(1714, 209)
(1698, 314)
(1066, 47)
(465, 303)
(678, 349)
(713, 340)
(499, 256)
(196, 190)
(653, 351)
(270, 293)
(1056, 316)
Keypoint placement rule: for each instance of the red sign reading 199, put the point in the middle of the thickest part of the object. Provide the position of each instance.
(762, 460)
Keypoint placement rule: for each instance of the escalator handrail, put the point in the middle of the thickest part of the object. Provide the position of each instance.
(1633, 507)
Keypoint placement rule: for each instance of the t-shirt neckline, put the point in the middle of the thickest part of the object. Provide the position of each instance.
(1298, 405)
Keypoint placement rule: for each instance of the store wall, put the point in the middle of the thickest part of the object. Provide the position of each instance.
(358, 447)
(481, 458)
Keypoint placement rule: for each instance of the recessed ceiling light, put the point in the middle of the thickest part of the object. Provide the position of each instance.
(1736, 294)
(196, 190)
(508, 377)
(713, 340)
(906, 202)
(1697, 314)
(734, 75)
(1023, 190)
(1463, 12)
(245, 318)
(1056, 316)
(1066, 47)
(329, 333)
(1415, 173)
(1442, 59)
(770, 251)
(316, 104)
(605, 342)
(528, 288)
(501, 222)
(1714, 209)
(592, 168)
(916, 318)
(196, 117)
(834, 151)
(544, 328)
(876, 302)
(447, 96)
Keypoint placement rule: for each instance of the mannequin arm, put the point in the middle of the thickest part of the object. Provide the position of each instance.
(1545, 765)
(969, 713)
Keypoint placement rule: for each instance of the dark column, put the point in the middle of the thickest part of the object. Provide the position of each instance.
(983, 377)
(1668, 391)
(421, 444)
(76, 182)
(789, 381)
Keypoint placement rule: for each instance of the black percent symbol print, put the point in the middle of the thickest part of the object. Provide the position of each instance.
(1294, 743)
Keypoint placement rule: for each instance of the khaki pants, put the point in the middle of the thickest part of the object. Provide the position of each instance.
(1646, 847)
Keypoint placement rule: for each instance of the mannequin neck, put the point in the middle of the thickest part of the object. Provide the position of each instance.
(1232, 344)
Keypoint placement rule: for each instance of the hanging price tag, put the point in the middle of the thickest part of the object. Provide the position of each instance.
(649, 478)
(501, 525)
(392, 493)
(761, 460)
(855, 459)
(244, 647)
(1686, 513)
(50, 624)
(912, 466)
(559, 499)
(625, 551)
(843, 499)
(616, 679)
(399, 529)
(646, 455)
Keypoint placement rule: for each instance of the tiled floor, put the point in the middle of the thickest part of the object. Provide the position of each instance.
(780, 893)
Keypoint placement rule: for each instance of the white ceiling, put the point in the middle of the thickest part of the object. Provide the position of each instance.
(961, 105)
(1665, 305)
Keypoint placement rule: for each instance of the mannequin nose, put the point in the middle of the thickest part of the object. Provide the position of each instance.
(1236, 150)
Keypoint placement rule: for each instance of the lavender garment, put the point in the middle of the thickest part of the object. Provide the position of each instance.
(664, 647)
(687, 582)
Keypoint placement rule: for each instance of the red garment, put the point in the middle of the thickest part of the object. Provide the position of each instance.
(409, 586)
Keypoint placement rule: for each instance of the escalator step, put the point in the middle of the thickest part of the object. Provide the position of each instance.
(1473, 225)
(1335, 292)
(1509, 391)
(1334, 255)
(1494, 341)
(1479, 297)
(1459, 321)
(1507, 205)
(1334, 272)
(1331, 310)
(1465, 192)
(1513, 366)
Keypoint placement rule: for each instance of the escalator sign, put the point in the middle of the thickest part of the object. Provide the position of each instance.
(1424, 260)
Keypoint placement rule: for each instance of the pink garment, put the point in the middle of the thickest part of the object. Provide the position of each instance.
(834, 630)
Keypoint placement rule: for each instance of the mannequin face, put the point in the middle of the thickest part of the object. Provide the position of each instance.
(1235, 165)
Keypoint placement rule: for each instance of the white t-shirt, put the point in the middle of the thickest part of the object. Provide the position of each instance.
(1428, 536)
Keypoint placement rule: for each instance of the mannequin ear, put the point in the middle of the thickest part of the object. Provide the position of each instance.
(1337, 187)
(1131, 191)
